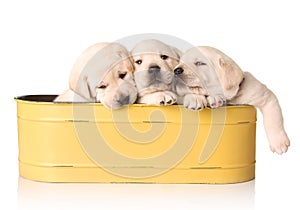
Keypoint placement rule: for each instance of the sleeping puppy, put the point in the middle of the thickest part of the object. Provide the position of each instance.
(154, 62)
(196, 83)
(238, 88)
(103, 73)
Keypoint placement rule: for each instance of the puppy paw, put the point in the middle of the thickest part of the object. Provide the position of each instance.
(167, 98)
(159, 98)
(194, 101)
(215, 101)
(279, 144)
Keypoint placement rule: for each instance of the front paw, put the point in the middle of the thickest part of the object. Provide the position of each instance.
(215, 101)
(194, 101)
(279, 143)
(166, 98)
(159, 98)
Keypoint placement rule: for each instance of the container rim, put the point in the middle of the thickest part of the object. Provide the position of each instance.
(48, 99)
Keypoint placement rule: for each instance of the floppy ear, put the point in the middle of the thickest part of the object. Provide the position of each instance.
(82, 88)
(130, 57)
(230, 73)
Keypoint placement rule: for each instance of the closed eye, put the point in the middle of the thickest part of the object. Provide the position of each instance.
(200, 63)
(102, 86)
(122, 75)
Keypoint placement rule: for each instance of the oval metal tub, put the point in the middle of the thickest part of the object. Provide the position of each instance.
(86, 142)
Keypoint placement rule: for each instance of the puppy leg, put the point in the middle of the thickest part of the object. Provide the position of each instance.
(187, 97)
(273, 123)
(158, 98)
(194, 101)
(254, 93)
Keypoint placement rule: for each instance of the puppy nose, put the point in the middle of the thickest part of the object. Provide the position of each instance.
(154, 68)
(124, 100)
(178, 71)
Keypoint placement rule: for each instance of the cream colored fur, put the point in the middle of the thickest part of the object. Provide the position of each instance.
(154, 62)
(103, 73)
(238, 87)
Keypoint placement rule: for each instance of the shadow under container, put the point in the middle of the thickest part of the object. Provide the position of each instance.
(86, 142)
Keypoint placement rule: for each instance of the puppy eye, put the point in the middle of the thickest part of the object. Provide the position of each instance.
(122, 75)
(199, 63)
(164, 57)
(138, 62)
(102, 86)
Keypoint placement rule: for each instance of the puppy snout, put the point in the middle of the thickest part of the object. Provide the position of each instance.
(178, 70)
(154, 69)
(124, 100)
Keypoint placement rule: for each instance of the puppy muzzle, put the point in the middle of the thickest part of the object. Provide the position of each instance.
(154, 69)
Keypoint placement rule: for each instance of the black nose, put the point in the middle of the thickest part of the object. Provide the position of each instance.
(154, 68)
(178, 71)
(124, 100)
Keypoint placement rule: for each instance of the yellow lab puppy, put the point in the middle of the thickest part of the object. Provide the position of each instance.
(197, 85)
(103, 73)
(154, 62)
(206, 67)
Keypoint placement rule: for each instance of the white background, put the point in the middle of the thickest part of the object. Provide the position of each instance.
(40, 40)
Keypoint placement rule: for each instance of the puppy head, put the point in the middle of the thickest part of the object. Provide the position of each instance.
(192, 66)
(154, 62)
(229, 73)
(209, 68)
(104, 73)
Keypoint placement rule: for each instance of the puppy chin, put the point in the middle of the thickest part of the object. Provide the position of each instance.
(194, 84)
(105, 103)
(119, 103)
(126, 94)
(116, 105)
(189, 80)
(112, 105)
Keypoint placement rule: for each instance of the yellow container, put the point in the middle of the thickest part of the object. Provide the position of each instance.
(86, 142)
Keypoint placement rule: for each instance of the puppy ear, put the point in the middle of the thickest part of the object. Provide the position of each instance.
(231, 74)
(131, 61)
(82, 88)
(130, 57)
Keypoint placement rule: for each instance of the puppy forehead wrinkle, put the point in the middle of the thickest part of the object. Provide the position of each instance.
(142, 55)
(191, 56)
(152, 46)
(103, 63)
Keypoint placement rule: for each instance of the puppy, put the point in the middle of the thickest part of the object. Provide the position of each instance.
(103, 73)
(238, 88)
(154, 62)
(197, 84)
